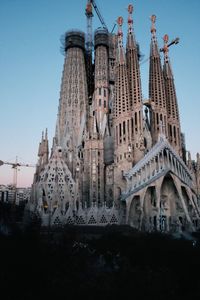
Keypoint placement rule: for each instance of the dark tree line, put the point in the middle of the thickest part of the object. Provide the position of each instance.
(97, 263)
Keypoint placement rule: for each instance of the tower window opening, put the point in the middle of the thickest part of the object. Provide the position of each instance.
(128, 128)
(157, 118)
(120, 130)
(170, 130)
(139, 120)
(132, 126)
(124, 128)
(175, 134)
(135, 119)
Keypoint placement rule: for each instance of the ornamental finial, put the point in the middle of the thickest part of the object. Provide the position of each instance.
(130, 19)
(120, 23)
(153, 20)
(165, 47)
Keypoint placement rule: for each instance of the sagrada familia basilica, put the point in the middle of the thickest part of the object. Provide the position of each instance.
(116, 158)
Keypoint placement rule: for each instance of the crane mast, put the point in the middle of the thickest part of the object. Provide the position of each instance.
(89, 15)
(89, 44)
(89, 47)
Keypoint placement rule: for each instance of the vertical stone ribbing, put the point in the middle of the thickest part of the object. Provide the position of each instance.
(101, 93)
(158, 112)
(135, 89)
(43, 155)
(93, 175)
(89, 178)
(73, 95)
(173, 121)
(122, 121)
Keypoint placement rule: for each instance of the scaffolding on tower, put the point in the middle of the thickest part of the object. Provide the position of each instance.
(89, 43)
(89, 47)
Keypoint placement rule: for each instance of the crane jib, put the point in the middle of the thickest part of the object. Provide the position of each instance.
(99, 14)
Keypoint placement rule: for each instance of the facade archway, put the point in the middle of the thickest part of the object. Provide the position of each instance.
(149, 220)
(172, 215)
(135, 212)
(162, 208)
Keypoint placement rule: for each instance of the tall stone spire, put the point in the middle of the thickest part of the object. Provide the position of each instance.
(101, 93)
(40, 153)
(173, 121)
(122, 100)
(93, 167)
(135, 89)
(43, 152)
(73, 97)
(46, 148)
(158, 112)
(43, 155)
(103, 168)
(122, 121)
(197, 173)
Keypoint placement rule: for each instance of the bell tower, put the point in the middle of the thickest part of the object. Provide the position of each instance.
(122, 119)
(173, 120)
(157, 96)
(135, 90)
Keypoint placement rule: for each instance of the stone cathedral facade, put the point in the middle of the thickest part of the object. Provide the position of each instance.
(116, 158)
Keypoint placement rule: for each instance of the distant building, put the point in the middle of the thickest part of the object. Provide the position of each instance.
(110, 163)
(9, 194)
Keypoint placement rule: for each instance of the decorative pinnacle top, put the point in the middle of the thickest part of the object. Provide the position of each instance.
(166, 38)
(88, 10)
(153, 20)
(120, 40)
(46, 134)
(165, 47)
(130, 19)
(130, 8)
(120, 23)
(198, 158)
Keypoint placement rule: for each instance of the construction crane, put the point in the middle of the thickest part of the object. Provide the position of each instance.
(89, 43)
(166, 46)
(89, 47)
(15, 166)
(89, 15)
(99, 14)
(165, 38)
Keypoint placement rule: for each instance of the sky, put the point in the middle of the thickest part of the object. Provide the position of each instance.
(31, 64)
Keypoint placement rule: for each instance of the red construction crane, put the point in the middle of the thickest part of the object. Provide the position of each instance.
(15, 166)
(167, 45)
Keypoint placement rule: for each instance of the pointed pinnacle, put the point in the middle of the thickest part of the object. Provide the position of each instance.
(153, 20)
(46, 134)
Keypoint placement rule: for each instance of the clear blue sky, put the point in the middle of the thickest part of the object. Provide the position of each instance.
(31, 66)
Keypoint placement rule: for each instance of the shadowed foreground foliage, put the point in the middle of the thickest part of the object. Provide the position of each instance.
(97, 263)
